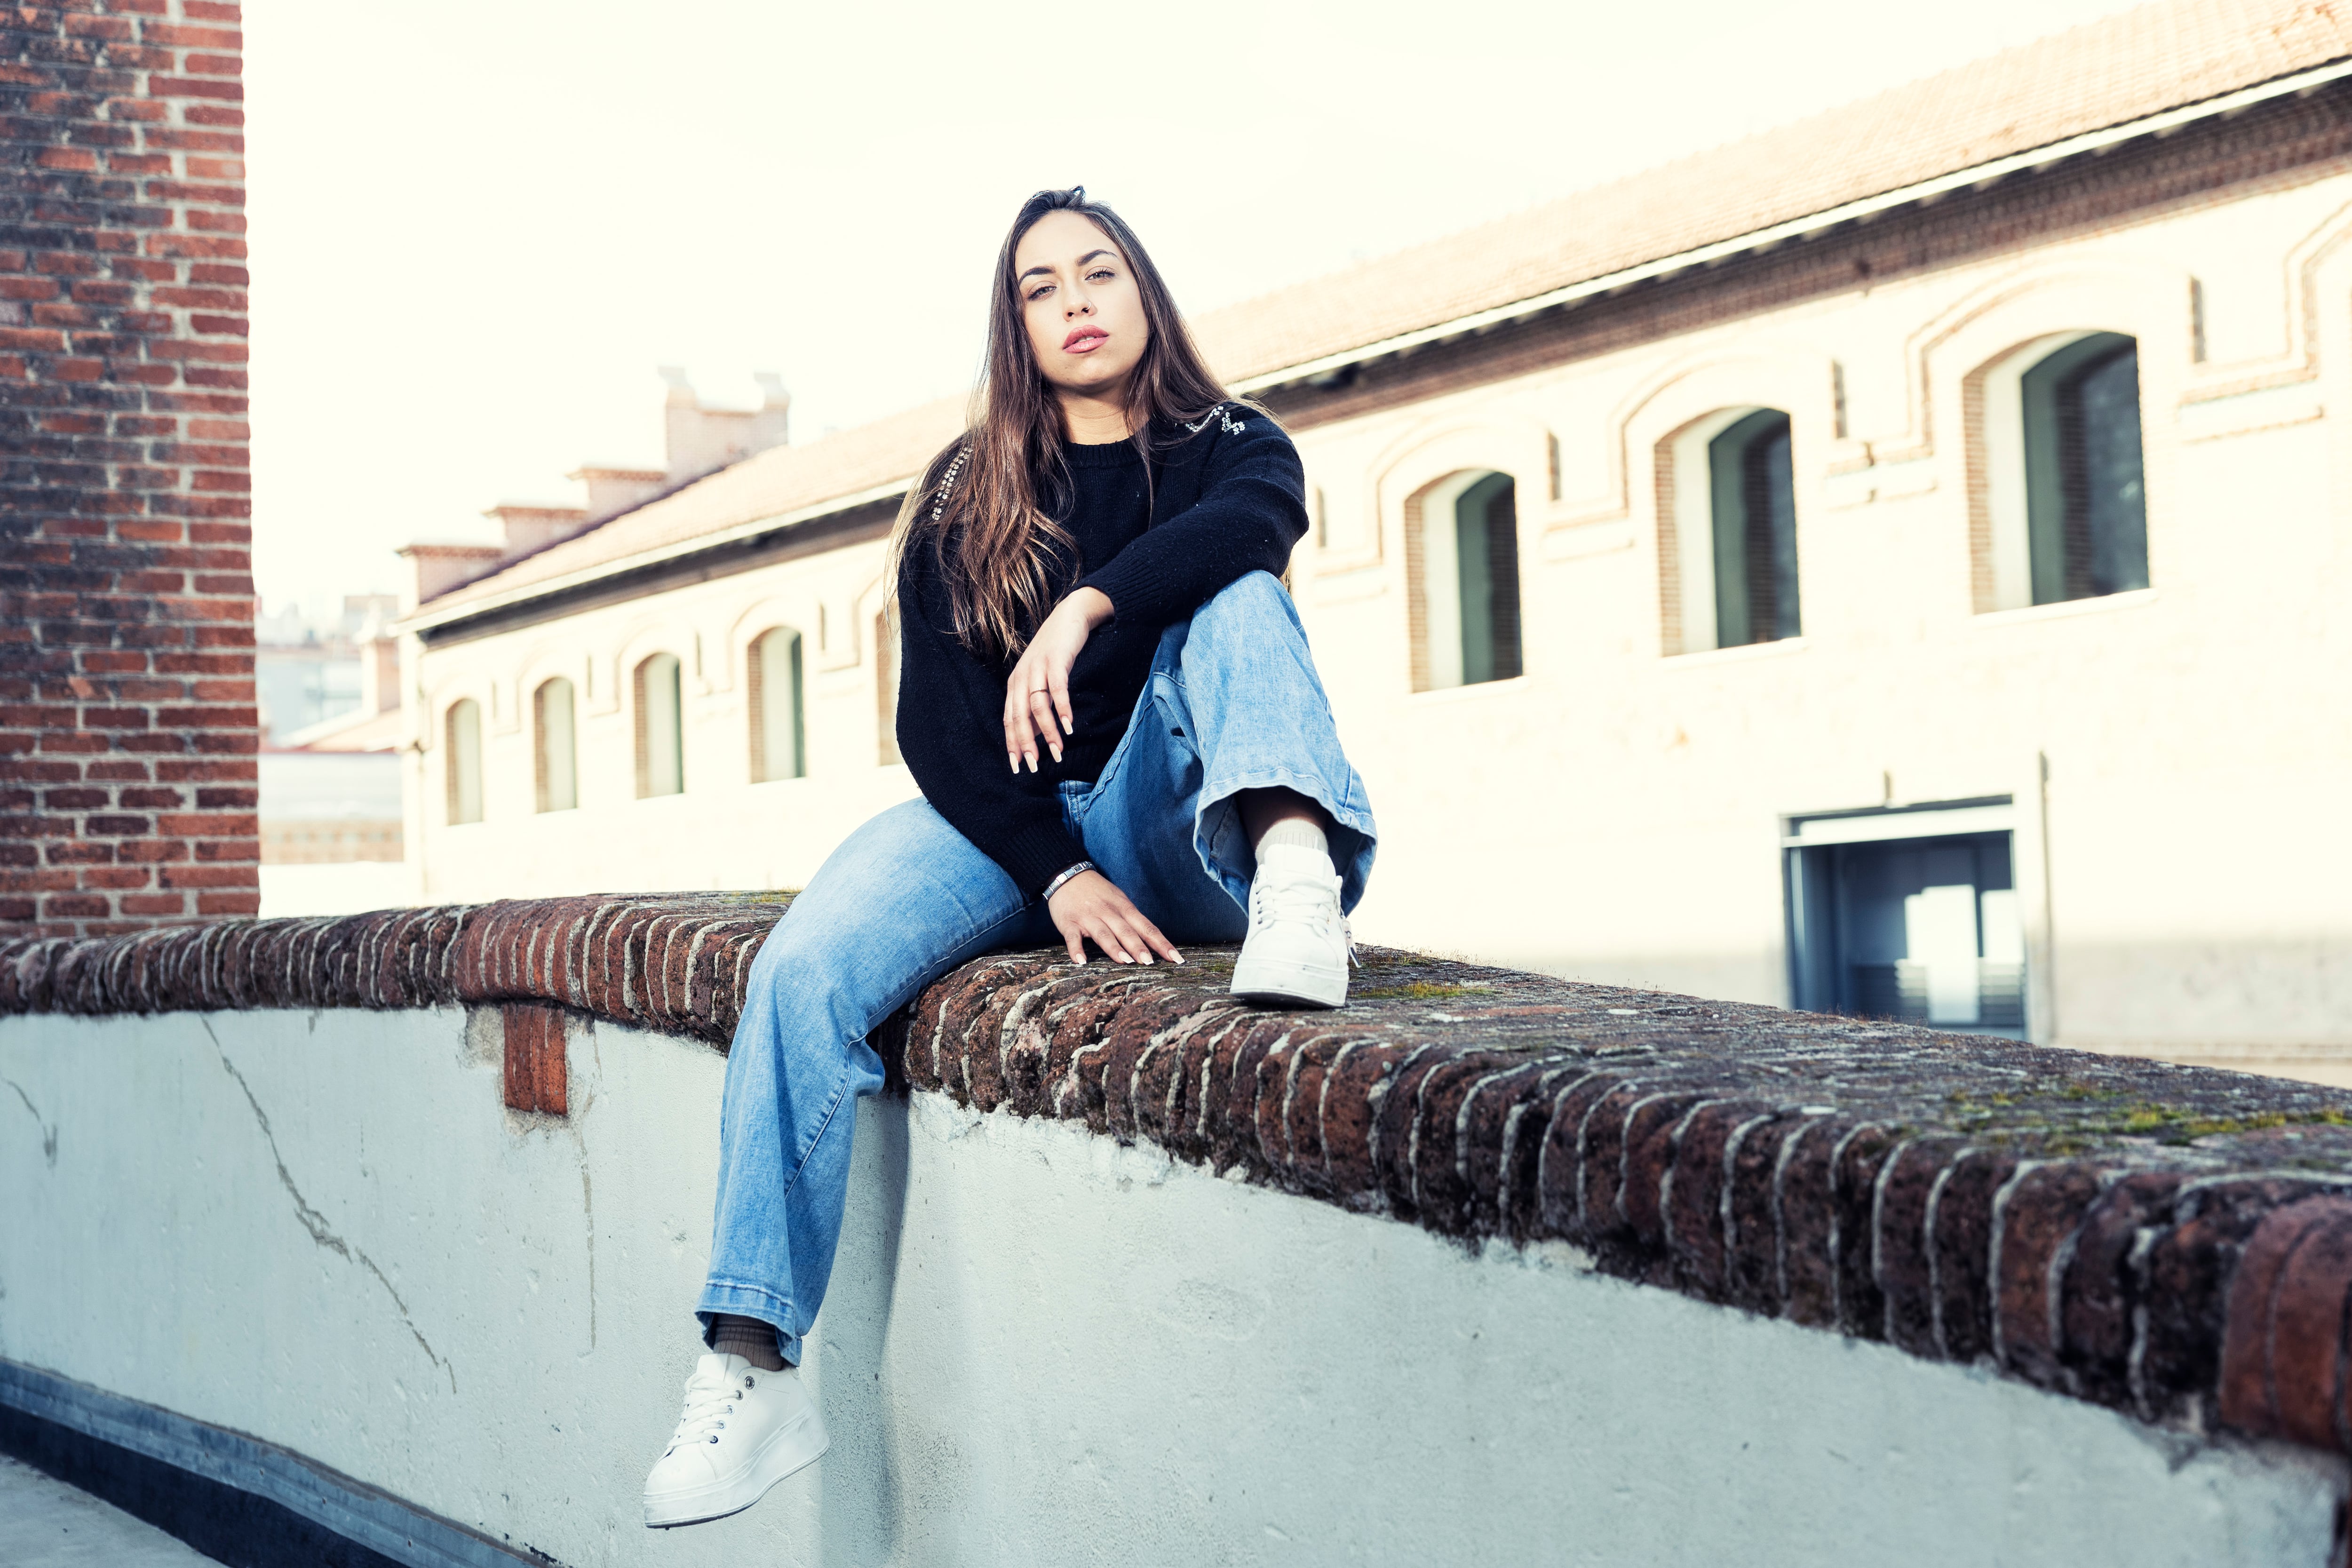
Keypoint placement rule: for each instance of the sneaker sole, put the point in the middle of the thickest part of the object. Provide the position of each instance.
(790, 1451)
(1290, 986)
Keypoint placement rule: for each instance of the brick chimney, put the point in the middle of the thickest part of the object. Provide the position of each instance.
(702, 440)
(434, 569)
(614, 490)
(379, 674)
(127, 725)
(528, 528)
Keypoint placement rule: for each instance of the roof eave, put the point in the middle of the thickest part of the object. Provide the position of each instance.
(2300, 82)
(430, 614)
(428, 617)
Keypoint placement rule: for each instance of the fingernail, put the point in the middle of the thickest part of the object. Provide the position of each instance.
(1057, 754)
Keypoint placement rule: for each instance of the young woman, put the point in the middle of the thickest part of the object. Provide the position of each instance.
(1108, 700)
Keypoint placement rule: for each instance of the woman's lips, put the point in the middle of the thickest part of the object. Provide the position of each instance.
(1086, 339)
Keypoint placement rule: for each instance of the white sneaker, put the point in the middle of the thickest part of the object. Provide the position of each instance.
(1296, 952)
(743, 1431)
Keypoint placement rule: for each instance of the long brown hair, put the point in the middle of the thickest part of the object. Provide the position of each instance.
(978, 506)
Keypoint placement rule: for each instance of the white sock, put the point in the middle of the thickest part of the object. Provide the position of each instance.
(1296, 834)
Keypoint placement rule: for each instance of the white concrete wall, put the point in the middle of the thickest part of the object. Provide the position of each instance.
(324, 1230)
(1614, 814)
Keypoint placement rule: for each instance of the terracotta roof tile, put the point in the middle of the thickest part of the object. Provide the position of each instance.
(774, 483)
(2109, 72)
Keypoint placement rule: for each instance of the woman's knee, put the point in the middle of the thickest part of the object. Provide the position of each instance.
(1258, 590)
(1251, 600)
(808, 960)
(801, 1012)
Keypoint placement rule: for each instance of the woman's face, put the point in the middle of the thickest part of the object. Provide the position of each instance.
(1080, 302)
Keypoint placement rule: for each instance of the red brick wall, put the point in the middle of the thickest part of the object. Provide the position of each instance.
(128, 731)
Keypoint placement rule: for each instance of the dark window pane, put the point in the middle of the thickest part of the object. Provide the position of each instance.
(1772, 499)
(1487, 530)
(1755, 513)
(2105, 460)
(2086, 507)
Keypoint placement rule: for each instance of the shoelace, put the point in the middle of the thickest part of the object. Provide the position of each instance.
(708, 1402)
(1300, 899)
(1307, 899)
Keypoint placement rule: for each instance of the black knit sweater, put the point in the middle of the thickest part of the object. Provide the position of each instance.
(1224, 498)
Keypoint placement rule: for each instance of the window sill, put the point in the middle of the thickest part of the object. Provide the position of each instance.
(2099, 604)
(1708, 658)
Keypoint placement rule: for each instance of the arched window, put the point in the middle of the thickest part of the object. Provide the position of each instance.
(661, 749)
(464, 751)
(555, 761)
(2085, 523)
(1732, 567)
(777, 743)
(885, 685)
(1461, 545)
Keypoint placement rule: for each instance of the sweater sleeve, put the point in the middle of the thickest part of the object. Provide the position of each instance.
(951, 729)
(1252, 509)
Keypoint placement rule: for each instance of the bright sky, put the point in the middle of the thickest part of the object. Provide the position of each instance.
(478, 225)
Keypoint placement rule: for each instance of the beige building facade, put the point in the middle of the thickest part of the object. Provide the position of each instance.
(1915, 590)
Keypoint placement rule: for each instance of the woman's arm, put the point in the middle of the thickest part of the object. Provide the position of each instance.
(1017, 822)
(1251, 512)
(949, 703)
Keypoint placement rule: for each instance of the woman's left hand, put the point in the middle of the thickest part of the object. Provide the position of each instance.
(1037, 693)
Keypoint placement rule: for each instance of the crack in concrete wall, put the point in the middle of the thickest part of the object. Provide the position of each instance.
(588, 1214)
(583, 1097)
(49, 1133)
(316, 1222)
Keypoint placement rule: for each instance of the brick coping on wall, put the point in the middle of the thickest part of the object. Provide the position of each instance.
(2172, 1241)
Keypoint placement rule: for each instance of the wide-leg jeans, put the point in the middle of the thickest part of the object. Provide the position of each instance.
(1232, 703)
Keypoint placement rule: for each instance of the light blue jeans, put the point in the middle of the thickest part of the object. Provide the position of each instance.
(1232, 703)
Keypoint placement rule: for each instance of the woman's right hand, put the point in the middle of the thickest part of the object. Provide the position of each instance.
(1089, 905)
(1037, 693)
